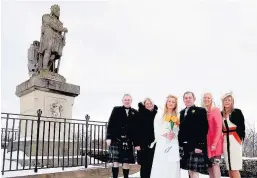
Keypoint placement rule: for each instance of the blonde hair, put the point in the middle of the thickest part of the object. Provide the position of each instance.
(227, 95)
(212, 102)
(175, 112)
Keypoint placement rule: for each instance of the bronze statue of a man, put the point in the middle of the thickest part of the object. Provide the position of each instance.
(52, 40)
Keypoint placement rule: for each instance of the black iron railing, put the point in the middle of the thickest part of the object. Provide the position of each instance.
(37, 142)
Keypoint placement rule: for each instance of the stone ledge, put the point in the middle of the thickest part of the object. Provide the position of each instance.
(43, 84)
(88, 173)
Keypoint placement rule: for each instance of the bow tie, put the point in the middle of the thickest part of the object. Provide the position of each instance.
(126, 108)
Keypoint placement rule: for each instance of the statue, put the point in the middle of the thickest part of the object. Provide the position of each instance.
(33, 58)
(52, 40)
(42, 56)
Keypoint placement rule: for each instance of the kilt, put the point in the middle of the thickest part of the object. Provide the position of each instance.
(117, 154)
(195, 162)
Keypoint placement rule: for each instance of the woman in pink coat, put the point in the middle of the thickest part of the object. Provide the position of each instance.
(214, 137)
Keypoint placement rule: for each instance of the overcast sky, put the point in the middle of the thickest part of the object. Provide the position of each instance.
(146, 49)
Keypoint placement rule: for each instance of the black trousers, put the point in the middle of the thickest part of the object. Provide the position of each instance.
(145, 156)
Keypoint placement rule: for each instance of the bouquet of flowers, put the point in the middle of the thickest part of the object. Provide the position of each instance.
(173, 120)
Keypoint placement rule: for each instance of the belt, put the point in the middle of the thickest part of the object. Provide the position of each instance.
(228, 131)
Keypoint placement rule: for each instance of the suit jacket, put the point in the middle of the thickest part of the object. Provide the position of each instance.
(146, 124)
(119, 123)
(237, 118)
(193, 129)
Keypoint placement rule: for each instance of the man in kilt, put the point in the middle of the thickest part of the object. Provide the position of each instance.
(121, 136)
(193, 137)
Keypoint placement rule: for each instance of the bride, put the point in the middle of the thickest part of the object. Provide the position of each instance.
(166, 162)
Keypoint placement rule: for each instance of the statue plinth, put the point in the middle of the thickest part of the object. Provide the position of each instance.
(41, 83)
(56, 100)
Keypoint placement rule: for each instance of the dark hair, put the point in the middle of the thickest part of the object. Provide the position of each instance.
(189, 92)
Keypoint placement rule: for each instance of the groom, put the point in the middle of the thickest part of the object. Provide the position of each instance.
(192, 137)
(121, 136)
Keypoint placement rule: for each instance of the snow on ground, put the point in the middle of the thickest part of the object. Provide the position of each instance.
(249, 158)
(15, 157)
(21, 172)
(184, 174)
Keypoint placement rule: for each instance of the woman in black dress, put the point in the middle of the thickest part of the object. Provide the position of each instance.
(146, 114)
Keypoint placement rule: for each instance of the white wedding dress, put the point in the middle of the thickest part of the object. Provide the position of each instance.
(166, 162)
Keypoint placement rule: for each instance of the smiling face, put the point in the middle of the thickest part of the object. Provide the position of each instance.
(207, 99)
(127, 100)
(189, 99)
(228, 102)
(148, 104)
(171, 103)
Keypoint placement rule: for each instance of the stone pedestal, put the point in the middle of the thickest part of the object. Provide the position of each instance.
(55, 98)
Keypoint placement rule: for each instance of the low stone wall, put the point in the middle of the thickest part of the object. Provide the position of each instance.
(88, 173)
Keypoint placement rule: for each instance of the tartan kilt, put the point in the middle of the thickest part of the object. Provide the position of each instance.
(195, 162)
(117, 154)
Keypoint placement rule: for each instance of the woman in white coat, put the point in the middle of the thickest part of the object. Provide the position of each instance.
(166, 162)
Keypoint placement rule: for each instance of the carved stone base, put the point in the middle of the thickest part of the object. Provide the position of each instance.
(42, 83)
(55, 99)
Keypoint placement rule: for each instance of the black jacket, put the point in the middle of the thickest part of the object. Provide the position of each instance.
(237, 118)
(118, 120)
(193, 128)
(145, 129)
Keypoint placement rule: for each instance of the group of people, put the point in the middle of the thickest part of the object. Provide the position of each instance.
(193, 139)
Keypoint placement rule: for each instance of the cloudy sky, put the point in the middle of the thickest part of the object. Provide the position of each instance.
(145, 48)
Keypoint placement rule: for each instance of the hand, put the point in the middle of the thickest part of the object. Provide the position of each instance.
(108, 142)
(138, 148)
(170, 135)
(198, 151)
(65, 30)
(213, 147)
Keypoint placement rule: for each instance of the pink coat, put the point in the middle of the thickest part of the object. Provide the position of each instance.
(214, 136)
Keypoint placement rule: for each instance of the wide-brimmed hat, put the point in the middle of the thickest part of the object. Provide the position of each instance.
(227, 94)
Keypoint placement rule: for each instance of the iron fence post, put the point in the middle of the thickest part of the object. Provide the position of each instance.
(5, 140)
(39, 113)
(87, 117)
(106, 125)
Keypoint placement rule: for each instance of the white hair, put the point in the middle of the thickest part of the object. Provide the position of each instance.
(212, 103)
(126, 95)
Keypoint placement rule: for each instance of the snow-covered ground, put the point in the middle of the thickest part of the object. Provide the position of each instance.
(184, 174)
(21, 172)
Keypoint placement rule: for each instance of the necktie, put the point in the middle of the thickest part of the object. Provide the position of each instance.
(186, 112)
(127, 112)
